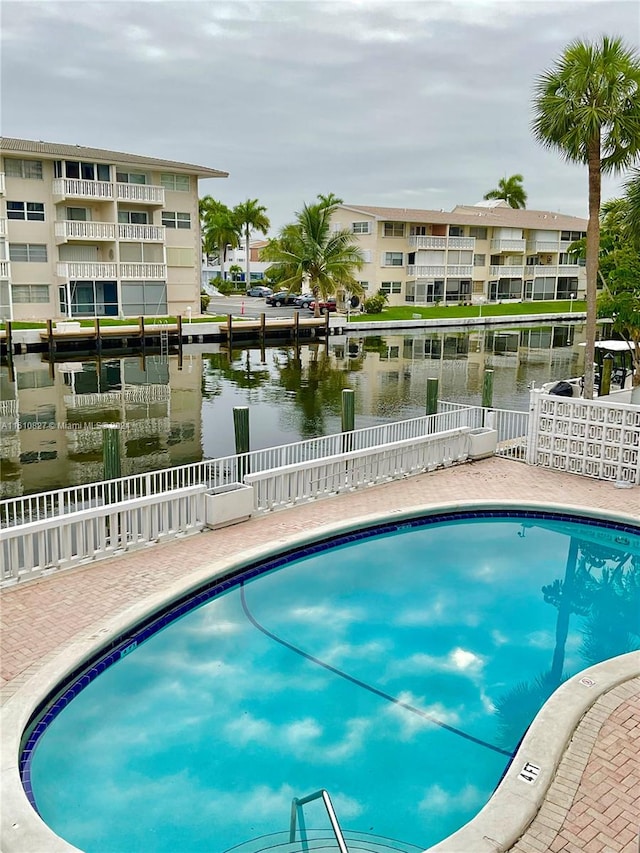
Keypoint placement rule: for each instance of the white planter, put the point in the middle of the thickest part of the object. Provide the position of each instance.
(228, 505)
(483, 442)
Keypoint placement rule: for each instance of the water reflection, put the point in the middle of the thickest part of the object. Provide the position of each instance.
(174, 412)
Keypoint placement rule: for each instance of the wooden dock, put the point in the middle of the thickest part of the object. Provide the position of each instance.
(287, 328)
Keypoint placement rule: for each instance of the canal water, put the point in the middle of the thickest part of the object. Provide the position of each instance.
(173, 411)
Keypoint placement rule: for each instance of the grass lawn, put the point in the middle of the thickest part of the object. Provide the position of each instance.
(88, 323)
(439, 312)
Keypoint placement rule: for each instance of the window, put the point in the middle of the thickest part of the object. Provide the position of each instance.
(531, 260)
(479, 260)
(30, 293)
(568, 258)
(572, 235)
(133, 217)
(179, 183)
(78, 214)
(360, 228)
(391, 286)
(364, 285)
(544, 288)
(15, 168)
(177, 257)
(393, 229)
(33, 210)
(171, 219)
(478, 231)
(131, 178)
(392, 259)
(456, 231)
(144, 297)
(78, 169)
(418, 230)
(458, 256)
(28, 252)
(141, 253)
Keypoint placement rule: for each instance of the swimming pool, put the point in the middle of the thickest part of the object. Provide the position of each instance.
(397, 667)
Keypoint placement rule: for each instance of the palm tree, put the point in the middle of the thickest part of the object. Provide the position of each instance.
(250, 216)
(219, 229)
(309, 254)
(632, 199)
(511, 190)
(588, 107)
(330, 200)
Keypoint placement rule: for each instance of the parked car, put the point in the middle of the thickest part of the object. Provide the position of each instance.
(259, 290)
(282, 297)
(304, 300)
(327, 306)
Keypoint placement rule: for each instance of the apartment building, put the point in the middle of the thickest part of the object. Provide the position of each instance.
(88, 232)
(487, 252)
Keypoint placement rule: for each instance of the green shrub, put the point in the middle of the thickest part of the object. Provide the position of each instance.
(225, 287)
(374, 304)
(205, 299)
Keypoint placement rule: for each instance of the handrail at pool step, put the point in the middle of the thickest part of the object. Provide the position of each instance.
(297, 804)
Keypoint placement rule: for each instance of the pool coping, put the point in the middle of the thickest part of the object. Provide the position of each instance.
(499, 824)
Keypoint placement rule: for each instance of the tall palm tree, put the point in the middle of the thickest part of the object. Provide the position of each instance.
(588, 107)
(330, 200)
(632, 199)
(219, 229)
(511, 190)
(309, 254)
(250, 216)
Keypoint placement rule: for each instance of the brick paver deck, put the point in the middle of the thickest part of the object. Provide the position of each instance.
(593, 805)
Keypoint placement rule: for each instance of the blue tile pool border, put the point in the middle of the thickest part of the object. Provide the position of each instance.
(123, 644)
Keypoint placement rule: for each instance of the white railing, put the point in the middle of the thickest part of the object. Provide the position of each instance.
(51, 544)
(229, 469)
(499, 245)
(4, 269)
(511, 425)
(461, 242)
(345, 472)
(79, 188)
(593, 438)
(143, 271)
(439, 271)
(136, 394)
(424, 242)
(456, 270)
(146, 233)
(510, 271)
(553, 269)
(144, 193)
(88, 270)
(2, 185)
(76, 230)
(8, 408)
(548, 247)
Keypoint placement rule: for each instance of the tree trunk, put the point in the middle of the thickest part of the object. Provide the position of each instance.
(248, 267)
(223, 257)
(593, 253)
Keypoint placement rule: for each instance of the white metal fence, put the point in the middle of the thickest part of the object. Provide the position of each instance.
(63, 541)
(345, 472)
(594, 438)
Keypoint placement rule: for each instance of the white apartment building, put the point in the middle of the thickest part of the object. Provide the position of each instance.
(488, 252)
(88, 232)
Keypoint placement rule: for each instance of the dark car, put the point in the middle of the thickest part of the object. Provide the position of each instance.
(304, 300)
(327, 306)
(283, 297)
(259, 290)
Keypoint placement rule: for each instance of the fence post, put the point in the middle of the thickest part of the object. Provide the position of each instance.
(432, 397)
(605, 379)
(487, 389)
(241, 431)
(348, 418)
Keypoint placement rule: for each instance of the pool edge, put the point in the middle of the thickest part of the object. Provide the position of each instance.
(502, 820)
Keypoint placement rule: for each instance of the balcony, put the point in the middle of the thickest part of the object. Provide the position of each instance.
(4, 271)
(142, 233)
(78, 188)
(505, 271)
(86, 270)
(74, 230)
(545, 247)
(143, 271)
(140, 194)
(419, 242)
(500, 246)
(451, 271)
(554, 270)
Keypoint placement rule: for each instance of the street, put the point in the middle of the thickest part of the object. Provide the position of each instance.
(251, 306)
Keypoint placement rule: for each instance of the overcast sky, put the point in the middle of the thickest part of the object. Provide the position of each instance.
(420, 104)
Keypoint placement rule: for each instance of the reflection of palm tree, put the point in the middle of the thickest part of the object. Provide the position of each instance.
(218, 365)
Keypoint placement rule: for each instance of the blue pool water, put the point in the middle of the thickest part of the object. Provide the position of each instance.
(398, 670)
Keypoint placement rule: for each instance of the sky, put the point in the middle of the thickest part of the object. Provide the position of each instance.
(420, 104)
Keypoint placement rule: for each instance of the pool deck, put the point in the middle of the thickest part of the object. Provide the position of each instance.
(593, 802)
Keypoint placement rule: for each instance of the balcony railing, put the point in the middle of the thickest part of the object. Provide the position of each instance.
(87, 270)
(553, 269)
(75, 230)
(143, 271)
(78, 188)
(423, 242)
(544, 246)
(144, 233)
(504, 271)
(498, 246)
(140, 193)
(4, 270)
(418, 271)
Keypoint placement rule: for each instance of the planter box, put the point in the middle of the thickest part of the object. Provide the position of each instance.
(483, 442)
(228, 505)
